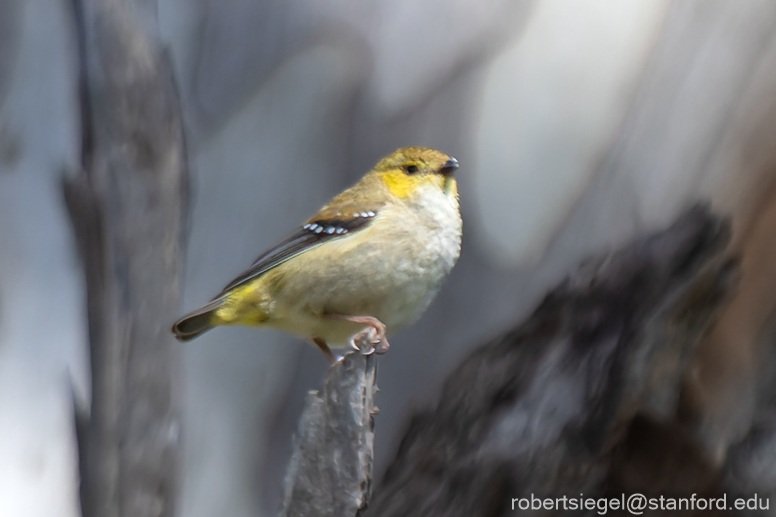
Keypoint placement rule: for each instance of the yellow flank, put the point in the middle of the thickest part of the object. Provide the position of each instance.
(243, 305)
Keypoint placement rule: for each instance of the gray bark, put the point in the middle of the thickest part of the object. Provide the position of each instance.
(331, 468)
(127, 206)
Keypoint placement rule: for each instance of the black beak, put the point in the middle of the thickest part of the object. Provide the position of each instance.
(448, 168)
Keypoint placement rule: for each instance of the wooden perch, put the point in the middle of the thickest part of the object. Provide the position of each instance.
(331, 468)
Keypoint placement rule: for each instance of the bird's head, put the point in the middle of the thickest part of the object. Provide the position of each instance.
(408, 169)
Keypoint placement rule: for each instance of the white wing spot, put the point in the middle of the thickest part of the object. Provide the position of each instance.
(340, 230)
(319, 229)
(370, 214)
(313, 227)
(306, 226)
(330, 230)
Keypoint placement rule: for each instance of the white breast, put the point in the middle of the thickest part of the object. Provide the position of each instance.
(442, 221)
(430, 253)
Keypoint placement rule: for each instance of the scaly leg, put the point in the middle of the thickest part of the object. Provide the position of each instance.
(325, 349)
(374, 331)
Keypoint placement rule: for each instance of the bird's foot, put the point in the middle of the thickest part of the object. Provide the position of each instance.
(371, 339)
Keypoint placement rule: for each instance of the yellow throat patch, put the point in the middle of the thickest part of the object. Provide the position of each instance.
(402, 185)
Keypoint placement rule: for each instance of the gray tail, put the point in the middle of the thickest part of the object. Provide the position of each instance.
(196, 323)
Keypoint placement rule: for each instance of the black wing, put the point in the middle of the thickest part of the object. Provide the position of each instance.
(315, 232)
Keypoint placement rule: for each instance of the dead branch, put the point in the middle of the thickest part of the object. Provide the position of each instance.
(331, 468)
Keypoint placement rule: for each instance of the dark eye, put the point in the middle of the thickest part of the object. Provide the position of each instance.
(411, 169)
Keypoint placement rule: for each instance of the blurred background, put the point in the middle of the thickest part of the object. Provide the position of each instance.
(579, 124)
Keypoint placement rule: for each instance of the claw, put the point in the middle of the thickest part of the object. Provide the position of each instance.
(373, 333)
(367, 336)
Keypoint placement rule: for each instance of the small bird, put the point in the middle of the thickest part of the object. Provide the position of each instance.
(369, 262)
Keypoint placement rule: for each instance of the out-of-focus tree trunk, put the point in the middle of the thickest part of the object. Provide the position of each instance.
(127, 206)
